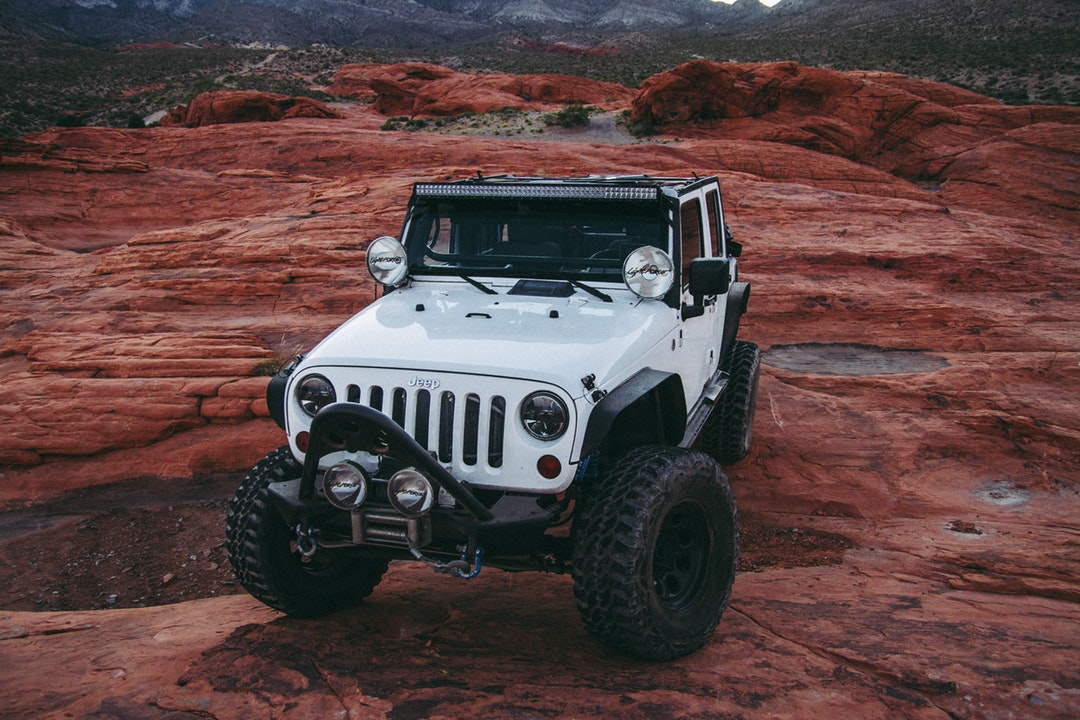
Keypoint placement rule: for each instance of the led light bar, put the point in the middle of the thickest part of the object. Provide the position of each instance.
(545, 192)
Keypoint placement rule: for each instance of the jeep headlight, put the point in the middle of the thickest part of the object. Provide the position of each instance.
(386, 261)
(314, 393)
(649, 272)
(544, 416)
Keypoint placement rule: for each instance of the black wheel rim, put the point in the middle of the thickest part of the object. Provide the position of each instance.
(681, 557)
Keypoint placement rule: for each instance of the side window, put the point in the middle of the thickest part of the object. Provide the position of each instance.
(712, 205)
(441, 234)
(691, 234)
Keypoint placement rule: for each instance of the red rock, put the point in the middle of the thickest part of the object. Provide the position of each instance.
(1019, 173)
(791, 646)
(135, 304)
(82, 155)
(909, 127)
(937, 92)
(243, 106)
(421, 89)
(355, 81)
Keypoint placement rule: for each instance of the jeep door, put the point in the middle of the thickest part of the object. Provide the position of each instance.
(701, 332)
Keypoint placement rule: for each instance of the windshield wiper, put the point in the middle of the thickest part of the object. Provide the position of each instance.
(592, 291)
(477, 284)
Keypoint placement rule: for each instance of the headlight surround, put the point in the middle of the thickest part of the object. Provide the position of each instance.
(544, 416)
(386, 261)
(315, 392)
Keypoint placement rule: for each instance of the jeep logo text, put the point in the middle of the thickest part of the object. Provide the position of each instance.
(429, 383)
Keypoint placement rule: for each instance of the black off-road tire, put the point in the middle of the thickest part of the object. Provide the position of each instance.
(729, 429)
(262, 551)
(654, 550)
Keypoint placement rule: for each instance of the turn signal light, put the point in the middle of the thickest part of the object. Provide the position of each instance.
(549, 467)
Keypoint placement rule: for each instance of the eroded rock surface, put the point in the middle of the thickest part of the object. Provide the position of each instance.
(145, 274)
(239, 106)
(423, 89)
(911, 128)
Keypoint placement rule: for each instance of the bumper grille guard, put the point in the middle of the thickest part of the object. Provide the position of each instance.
(358, 428)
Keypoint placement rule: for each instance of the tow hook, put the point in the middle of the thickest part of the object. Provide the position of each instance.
(306, 543)
(454, 567)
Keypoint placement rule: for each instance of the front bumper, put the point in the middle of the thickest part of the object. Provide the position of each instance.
(357, 428)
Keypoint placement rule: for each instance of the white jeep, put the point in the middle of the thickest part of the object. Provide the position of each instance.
(526, 394)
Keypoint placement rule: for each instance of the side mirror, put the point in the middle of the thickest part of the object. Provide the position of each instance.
(734, 249)
(709, 276)
(706, 277)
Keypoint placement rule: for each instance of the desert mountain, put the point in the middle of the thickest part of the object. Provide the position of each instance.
(422, 23)
(124, 62)
(392, 22)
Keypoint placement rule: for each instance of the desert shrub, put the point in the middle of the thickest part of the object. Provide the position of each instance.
(404, 123)
(573, 115)
(281, 354)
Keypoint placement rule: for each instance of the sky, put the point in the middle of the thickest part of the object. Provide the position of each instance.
(767, 3)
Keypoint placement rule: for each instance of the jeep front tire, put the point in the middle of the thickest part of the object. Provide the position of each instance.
(654, 551)
(262, 551)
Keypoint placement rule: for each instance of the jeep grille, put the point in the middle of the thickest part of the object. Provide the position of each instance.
(468, 429)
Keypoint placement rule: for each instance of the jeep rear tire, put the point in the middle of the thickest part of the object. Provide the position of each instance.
(654, 551)
(728, 430)
(263, 555)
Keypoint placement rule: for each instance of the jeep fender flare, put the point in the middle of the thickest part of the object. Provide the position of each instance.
(275, 397)
(738, 300)
(649, 408)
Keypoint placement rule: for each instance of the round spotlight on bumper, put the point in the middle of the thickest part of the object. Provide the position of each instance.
(411, 493)
(346, 485)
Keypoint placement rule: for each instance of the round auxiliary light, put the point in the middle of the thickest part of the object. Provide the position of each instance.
(544, 416)
(386, 261)
(345, 485)
(314, 393)
(649, 272)
(411, 493)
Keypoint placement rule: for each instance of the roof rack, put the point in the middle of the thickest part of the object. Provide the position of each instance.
(585, 179)
(588, 187)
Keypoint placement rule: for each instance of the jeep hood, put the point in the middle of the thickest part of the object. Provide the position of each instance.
(453, 327)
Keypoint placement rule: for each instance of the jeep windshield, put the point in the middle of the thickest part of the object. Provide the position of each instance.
(559, 238)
